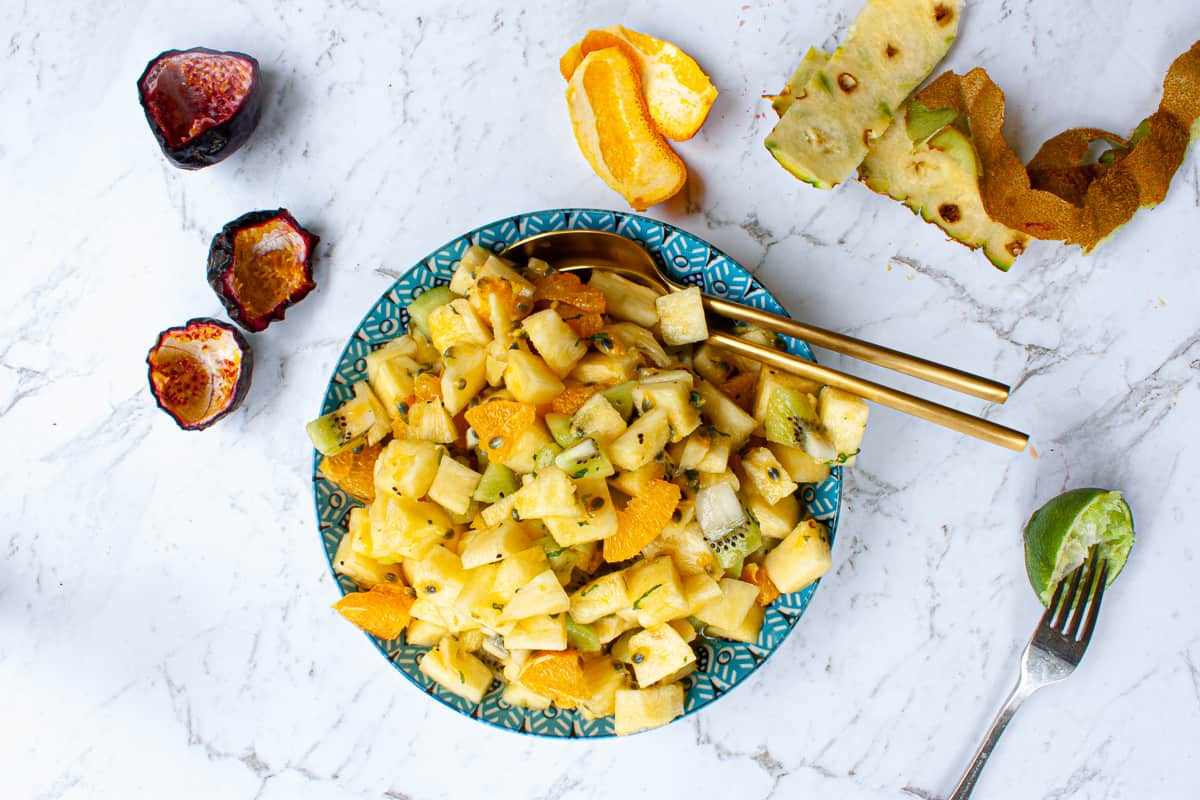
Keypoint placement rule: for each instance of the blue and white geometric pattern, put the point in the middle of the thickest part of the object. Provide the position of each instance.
(721, 665)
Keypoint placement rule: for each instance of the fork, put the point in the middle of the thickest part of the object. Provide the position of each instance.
(1056, 648)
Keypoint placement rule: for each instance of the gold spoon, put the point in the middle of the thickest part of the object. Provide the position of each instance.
(583, 249)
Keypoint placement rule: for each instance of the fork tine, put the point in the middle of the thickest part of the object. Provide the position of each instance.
(1089, 624)
(1089, 580)
(1048, 617)
(1060, 619)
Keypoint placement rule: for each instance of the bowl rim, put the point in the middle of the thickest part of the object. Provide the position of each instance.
(794, 345)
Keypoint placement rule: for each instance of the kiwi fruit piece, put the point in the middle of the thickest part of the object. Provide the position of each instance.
(560, 429)
(343, 428)
(792, 421)
(584, 460)
(732, 548)
(424, 304)
(497, 483)
(621, 397)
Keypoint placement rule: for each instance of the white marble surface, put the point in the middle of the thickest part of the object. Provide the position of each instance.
(164, 620)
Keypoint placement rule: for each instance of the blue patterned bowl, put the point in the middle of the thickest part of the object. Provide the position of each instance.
(721, 665)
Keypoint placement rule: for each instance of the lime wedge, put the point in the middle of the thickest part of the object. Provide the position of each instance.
(1059, 534)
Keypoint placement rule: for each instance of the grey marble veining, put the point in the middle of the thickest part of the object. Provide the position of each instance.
(164, 620)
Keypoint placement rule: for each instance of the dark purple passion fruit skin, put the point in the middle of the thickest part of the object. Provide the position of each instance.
(241, 389)
(220, 267)
(223, 139)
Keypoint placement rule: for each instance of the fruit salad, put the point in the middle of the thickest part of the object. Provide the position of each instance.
(565, 486)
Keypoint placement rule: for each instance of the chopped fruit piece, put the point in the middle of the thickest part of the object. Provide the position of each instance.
(497, 483)
(792, 421)
(681, 317)
(799, 559)
(381, 612)
(550, 494)
(774, 520)
(538, 633)
(740, 389)
(431, 422)
(642, 441)
(530, 379)
(676, 397)
(700, 590)
(686, 545)
(770, 479)
(344, 428)
(424, 304)
(572, 399)
(565, 287)
(427, 386)
(724, 414)
(402, 527)
(356, 565)
(585, 325)
(747, 631)
(542, 596)
(556, 343)
(456, 670)
(494, 544)
(582, 637)
(456, 323)
(639, 709)
(656, 591)
(354, 471)
(453, 485)
(464, 375)
(642, 520)
(559, 676)
(499, 424)
(407, 467)
(597, 419)
(604, 678)
(200, 372)
(625, 299)
(658, 652)
(728, 611)
(615, 133)
(259, 265)
(845, 419)
(202, 105)
(802, 467)
(603, 596)
(767, 590)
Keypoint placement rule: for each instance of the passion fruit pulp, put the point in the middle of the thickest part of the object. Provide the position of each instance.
(200, 372)
(260, 264)
(202, 104)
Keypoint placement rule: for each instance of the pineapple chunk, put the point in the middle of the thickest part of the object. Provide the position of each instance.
(597, 419)
(456, 670)
(522, 455)
(642, 441)
(517, 695)
(406, 467)
(453, 485)
(538, 633)
(358, 567)
(437, 576)
(681, 317)
(799, 465)
(686, 545)
(656, 591)
(502, 268)
(716, 457)
(746, 631)
(422, 633)
(597, 519)
(607, 370)
(530, 379)
(685, 629)
(675, 396)
(475, 598)
(774, 520)
(604, 677)
(724, 414)
(770, 480)
(845, 419)
(494, 544)
(402, 527)
(496, 362)
(542, 596)
(556, 343)
(727, 612)
(456, 323)
(604, 596)
(391, 374)
(612, 626)
(712, 364)
(639, 709)
(550, 494)
(799, 559)
(428, 421)
(700, 590)
(658, 652)
(516, 571)
(633, 482)
(464, 375)
(493, 515)
(695, 446)
(625, 299)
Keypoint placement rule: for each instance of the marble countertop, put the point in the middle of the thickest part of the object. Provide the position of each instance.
(164, 602)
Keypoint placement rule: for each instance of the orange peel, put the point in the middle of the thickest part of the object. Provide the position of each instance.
(615, 132)
(678, 93)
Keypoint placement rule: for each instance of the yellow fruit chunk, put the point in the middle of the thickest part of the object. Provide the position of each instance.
(678, 93)
(767, 590)
(615, 133)
(499, 423)
(354, 471)
(642, 520)
(559, 676)
(381, 612)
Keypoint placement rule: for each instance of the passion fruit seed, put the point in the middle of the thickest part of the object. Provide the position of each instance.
(847, 82)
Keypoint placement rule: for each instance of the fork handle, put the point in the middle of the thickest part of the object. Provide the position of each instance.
(966, 784)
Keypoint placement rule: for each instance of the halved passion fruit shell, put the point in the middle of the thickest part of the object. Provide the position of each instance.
(202, 105)
(260, 264)
(200, 372)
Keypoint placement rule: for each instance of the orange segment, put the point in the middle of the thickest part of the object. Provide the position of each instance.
(498, 423)
(583, 323)
(426, 387)
(499, 289)
(565, 287)
(381, 612)
(615, 133)
(740, 389)
(354, 472)
(557, 675)
(678, 93)
(640, 522)
(767, 590)
(572, 399)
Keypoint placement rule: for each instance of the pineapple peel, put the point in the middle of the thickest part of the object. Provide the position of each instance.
(1058, 195)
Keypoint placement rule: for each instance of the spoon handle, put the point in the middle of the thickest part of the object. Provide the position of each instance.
(931, 371)
(892, 398)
